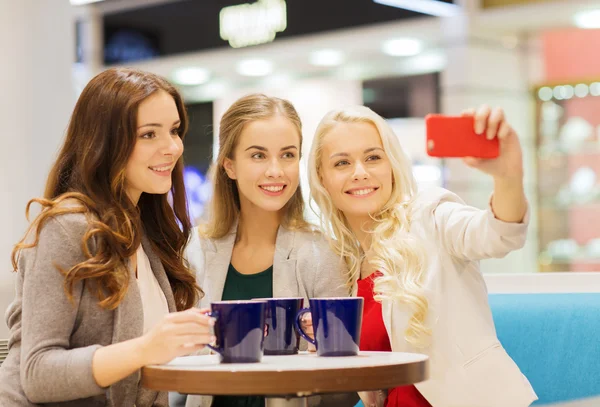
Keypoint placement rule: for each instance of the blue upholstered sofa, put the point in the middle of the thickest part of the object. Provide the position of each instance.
(555, 339)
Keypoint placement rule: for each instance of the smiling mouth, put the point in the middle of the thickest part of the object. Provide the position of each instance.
(164, 168)
(273, 189)
(362, 191)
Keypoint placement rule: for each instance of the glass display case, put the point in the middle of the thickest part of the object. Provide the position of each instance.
(568, 158)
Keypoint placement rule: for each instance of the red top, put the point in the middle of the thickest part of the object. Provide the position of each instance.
(373, 337)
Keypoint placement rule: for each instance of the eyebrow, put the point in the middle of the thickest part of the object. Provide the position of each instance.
(261, 148)
(158, 124)
(368, 150)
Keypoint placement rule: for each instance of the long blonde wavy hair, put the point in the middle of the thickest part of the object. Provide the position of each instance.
(394, 252)
(224, 207)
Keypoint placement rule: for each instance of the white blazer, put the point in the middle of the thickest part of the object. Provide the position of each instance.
(468, 365)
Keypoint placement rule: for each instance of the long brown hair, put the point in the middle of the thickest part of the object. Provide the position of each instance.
(90, 171)
(225, 202)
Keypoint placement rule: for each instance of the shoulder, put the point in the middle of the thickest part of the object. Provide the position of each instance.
(435, 196)
(72, 225)
(425, 202)
(309, 240)
(60, 238)
(313, 247)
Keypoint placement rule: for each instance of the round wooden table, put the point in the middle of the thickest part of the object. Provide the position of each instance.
(287, 380)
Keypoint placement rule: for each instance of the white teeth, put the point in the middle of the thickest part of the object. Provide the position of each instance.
(272, 189)
(160, 169)
(362, 191)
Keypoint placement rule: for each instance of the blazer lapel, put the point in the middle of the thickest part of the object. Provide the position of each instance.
(285, 283)
(218, 256)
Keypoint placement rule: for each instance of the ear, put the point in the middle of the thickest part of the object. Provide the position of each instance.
(228, 166)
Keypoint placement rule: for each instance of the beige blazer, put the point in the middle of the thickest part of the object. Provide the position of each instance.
(303, 266)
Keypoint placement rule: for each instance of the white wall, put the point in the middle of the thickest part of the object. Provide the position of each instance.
(37, 48)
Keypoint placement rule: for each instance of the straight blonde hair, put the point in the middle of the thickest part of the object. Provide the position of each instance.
(225, 201)
(397, 255)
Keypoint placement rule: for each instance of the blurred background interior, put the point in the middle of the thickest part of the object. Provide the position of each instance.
(537, 59)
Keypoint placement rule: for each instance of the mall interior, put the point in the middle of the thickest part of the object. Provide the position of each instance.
(539, 60)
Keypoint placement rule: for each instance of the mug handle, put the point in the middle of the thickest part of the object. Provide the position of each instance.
(217, 348)
(299, 327)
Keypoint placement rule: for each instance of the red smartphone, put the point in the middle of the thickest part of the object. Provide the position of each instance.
(454, 136)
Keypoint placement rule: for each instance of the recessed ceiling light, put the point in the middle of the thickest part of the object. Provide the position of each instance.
(326, 57)
(191, 76)
(254, 67)
(587, 19)
(402, 47)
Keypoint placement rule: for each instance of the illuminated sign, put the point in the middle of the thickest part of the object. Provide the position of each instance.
(252, 24)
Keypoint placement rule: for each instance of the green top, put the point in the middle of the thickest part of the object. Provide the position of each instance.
(240, 286)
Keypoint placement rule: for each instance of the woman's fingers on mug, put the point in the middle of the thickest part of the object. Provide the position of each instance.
(190, 328)
(195, 340)
(190, 315)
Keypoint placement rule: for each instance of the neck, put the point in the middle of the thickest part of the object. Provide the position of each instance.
(361, 226)
(134, 196)
(257, 226)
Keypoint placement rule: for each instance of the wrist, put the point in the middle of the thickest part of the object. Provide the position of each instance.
(139, 352)
(511, 182)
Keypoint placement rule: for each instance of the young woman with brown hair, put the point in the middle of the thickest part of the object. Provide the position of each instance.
(102, 289)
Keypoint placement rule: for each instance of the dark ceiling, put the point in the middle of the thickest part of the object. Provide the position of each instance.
(193, 25)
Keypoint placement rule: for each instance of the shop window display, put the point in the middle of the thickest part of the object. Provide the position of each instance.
(568, 141)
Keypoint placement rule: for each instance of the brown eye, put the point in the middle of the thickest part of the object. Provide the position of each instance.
(149, 135)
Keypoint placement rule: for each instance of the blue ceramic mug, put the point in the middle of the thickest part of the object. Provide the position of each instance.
(239, 328)
(336, 324)
(280, 336)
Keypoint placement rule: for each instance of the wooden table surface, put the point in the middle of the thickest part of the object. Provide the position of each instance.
(298, 375)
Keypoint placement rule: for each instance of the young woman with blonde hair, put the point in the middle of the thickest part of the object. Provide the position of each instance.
(414, 255)
(102, 289)
(256, 242)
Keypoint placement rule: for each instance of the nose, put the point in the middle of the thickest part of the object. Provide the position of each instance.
(274, 169)
(172, 146)
(360, 172)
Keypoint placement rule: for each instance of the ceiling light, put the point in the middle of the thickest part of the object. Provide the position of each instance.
(255, 67)
(568, 91)
(587, 19)
(545, 93)
(326, 57)
(582, 90)
(191, 76)
(558, 93)
(402, 47)
(431, 7)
